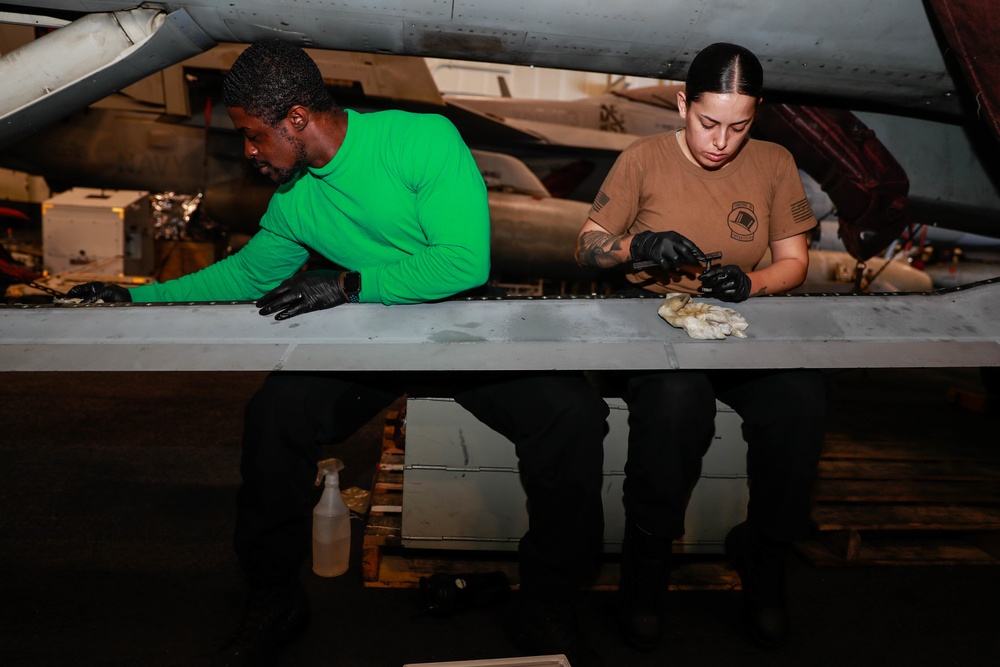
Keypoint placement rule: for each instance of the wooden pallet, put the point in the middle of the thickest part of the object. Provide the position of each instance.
(386, 563)
(920, 502)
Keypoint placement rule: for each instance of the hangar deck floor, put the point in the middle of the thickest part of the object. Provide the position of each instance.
(117, 500)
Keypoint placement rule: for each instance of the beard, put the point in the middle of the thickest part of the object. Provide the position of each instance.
(282, 175)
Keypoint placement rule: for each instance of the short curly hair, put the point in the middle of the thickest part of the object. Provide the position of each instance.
(272, 76)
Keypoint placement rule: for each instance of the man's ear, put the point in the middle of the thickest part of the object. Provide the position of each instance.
(298, 116)
(682, 103)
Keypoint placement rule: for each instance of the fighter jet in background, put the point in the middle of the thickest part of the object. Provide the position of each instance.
(885, 56)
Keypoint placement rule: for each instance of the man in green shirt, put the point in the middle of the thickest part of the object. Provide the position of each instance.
(397, 202)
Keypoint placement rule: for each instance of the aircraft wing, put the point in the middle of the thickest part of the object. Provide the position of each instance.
(882, 53)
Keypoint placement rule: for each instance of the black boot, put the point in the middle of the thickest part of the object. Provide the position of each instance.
(645, 573)
(273, 617)
(761, 565)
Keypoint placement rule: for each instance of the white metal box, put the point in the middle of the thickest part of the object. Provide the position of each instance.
(98, 232)
(461, 488)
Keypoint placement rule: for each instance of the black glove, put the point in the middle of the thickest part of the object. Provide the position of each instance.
(727, 283)
(670, 249)
(303, 293)
(91, 292)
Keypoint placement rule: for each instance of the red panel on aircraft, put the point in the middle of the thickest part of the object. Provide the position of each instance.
(862, 178)
(972, 28)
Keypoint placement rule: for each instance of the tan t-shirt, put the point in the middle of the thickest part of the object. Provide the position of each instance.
(739, 209)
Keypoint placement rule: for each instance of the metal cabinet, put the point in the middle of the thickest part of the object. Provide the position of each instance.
(461, 488)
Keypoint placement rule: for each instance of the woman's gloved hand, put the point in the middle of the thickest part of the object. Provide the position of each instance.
(726, 283)
(303, 293)
(98, 291)
(672, 250)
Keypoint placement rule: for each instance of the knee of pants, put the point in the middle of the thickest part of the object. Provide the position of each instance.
(688, 395)
(569, 445)
(562, 409)
(587, 410)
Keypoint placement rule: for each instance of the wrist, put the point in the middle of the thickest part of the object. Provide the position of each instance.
(350, 283)
(635, 249)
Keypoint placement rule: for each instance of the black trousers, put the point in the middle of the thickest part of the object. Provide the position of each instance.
(556, 422)
(672, 424)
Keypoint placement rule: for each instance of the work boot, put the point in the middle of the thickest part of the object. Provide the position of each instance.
(273, 617)
(543, 627)
(761, 566)
(645, 573)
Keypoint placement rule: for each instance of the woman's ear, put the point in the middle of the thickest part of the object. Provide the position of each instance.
(682, 103)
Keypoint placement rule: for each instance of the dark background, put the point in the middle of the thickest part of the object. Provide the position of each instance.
(117, 503)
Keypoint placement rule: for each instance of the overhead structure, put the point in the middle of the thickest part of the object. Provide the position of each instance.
(881, 53)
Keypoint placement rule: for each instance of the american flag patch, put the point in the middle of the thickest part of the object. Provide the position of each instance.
(801, 211)
(601, 200)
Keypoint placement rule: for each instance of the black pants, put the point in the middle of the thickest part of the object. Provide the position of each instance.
(672, 424)
(556, 422)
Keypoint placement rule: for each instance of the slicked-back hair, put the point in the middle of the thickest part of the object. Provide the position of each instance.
(270, 77)
(724, 68)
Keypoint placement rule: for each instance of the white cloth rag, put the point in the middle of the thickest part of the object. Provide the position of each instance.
(702, 320)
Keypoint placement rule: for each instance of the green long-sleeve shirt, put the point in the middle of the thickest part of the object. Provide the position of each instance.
(402, 202)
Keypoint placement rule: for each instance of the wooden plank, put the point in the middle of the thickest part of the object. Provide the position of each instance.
(387, 501)
(890, 447)
(391, 462)
(389, 481)
(905, 517)
(403, 568)
(906, 491)
(393, 432)
(897, 551)
(938, 470)
(383, 529)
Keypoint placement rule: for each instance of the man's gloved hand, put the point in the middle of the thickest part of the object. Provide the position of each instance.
(670, 249)
(303, 293)
(97, 291)
(727, 283)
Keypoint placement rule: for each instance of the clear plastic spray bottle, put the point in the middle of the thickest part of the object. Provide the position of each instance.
(331, 523)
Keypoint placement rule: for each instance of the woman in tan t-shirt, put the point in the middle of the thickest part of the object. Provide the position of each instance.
(669, 200)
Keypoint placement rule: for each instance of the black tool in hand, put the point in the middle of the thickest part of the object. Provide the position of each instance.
(650, 264)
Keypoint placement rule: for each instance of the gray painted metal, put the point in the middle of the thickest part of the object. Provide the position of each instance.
(954, 328)
(874, 51)
(44, 83)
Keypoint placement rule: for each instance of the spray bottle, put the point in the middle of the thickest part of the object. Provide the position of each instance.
(331, 523)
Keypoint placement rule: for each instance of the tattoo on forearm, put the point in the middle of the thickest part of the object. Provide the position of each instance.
(599, 249)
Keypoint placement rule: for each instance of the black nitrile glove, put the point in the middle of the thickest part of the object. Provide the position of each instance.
(303, 293)
(727, 283)
(670, 249)
(97, 291)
